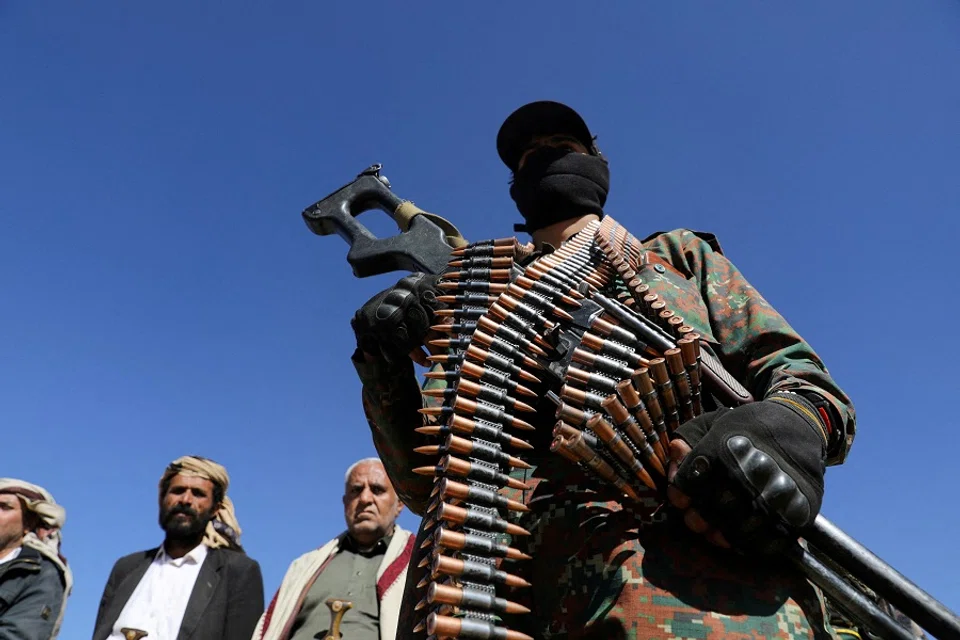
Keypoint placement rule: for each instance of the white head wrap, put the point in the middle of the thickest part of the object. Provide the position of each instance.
(223, 530)
(47, 537)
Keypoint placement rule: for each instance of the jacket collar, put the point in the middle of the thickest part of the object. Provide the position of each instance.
(347, 543)
(27, 560)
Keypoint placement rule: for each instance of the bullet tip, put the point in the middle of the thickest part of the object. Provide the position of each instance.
(529, 377)
(430, 449)
(429, 431)
(425, 471)
(521, 424)
(524, 391)
(523, 406)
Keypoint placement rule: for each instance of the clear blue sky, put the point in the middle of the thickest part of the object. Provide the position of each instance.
(161, 295)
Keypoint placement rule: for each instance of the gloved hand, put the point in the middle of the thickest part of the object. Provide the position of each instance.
(395, 322)
(750, 476)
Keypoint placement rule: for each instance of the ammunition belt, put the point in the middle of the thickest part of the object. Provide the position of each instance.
(518, 333)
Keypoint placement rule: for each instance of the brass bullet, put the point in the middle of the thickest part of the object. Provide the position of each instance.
(483, 356)
(480, 274)
(620, 449)
(565, 295)
(605, 365)
(487, 393)
(467, 298)
(465, 469)
(446, 626)
(511, 335)
(611, 349)
(475, 571)
(483, 374)
(666, 391)
(495, 250)
(571, 414)
(559, 446)
(580, 397)
(504, 348)
(644, 439)
(486, 262)
(477, 519)
(564, 429)
(483, 452)
(490, 433)
(470, 313)
(475, 544)
(481, 411)
(457, 490)
(472, 285)
(526, 297)
(455, 327)
(472, 599)
(610, 330)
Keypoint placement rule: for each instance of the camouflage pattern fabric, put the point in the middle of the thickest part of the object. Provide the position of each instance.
(600, 571)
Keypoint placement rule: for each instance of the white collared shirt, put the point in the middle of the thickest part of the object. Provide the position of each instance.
(158, 603)
(11, 555)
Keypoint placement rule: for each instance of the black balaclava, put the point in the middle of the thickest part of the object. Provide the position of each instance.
(559, 184)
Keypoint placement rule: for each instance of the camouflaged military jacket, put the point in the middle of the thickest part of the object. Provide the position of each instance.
(686, 269)
(602, 571)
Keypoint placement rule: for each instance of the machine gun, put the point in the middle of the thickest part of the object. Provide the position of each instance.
(424, 244)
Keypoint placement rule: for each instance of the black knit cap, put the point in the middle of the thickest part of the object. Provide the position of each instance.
(541, 118)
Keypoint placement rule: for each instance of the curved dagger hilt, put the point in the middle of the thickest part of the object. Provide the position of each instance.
(133, 634)
(337, 609)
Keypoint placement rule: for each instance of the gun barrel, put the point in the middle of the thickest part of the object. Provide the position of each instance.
(916, 603)
(856, 603)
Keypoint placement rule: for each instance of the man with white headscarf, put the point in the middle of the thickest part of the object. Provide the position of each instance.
(34, 578)
(199, 584)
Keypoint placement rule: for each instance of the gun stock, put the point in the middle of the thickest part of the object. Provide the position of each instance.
(421, 245)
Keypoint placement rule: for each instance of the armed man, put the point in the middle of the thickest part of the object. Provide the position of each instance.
(597, 564)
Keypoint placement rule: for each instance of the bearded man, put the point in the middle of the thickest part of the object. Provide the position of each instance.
(366, 565)
(199, 584)
(34, 578)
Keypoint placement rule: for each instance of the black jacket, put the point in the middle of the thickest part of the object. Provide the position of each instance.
(31, 595)
(225, 604)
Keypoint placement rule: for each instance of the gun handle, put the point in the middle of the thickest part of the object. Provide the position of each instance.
(727, 389)
(421, 248)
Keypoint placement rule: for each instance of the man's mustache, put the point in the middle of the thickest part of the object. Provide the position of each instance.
(184, 509)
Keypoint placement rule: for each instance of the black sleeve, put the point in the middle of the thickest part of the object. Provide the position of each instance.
(245, 601)
(33, 613)
(107, 596)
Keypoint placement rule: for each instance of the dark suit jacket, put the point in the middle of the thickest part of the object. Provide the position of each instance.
(225, 604)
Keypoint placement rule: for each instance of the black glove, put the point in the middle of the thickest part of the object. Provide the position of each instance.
(756, 472)
(395, 322)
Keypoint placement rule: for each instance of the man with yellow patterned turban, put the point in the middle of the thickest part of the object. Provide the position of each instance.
(199, 584)
(34, 578)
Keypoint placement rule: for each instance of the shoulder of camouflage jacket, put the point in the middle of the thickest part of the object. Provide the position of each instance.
(752, 339)
(709, 238)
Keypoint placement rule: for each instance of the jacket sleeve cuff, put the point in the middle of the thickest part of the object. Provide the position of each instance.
(801, 406)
